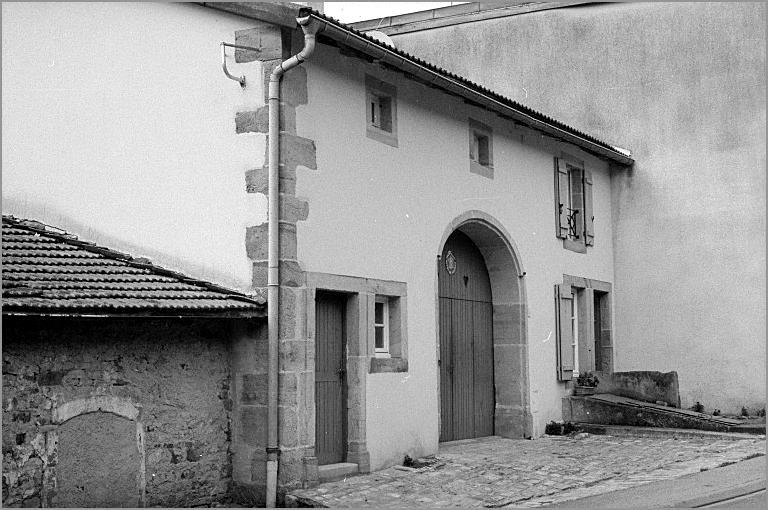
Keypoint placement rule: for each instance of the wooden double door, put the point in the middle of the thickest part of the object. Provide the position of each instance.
(467, 398)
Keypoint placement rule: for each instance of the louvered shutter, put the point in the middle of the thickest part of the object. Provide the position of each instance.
(565, 362)
(589, 218)
(561, 198)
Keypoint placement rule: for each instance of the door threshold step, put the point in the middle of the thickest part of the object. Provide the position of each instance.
(339, 471)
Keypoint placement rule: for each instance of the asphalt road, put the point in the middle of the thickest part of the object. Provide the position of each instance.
(740, 485)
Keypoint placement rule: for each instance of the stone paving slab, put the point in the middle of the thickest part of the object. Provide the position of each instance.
(494, 472)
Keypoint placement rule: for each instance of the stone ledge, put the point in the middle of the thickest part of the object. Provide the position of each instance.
(388, 365)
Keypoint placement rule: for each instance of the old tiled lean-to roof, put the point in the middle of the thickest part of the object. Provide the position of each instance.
(339, 34)
(47, 271)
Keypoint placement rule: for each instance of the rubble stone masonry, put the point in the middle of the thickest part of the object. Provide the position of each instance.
(141, 404)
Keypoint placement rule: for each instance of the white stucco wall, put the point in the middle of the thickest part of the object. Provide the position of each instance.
(380, 212)
(118, 126)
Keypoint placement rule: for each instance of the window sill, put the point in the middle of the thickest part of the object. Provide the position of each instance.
(483, 170)
(576, 246)
(381, 136)
(388, 365)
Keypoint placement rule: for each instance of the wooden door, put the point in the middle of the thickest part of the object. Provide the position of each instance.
(330, 379)
(467, 397)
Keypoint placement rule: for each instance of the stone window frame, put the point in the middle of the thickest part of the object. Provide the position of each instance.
(361, 353)
(382, 94)
(586, 312)
(480, 161)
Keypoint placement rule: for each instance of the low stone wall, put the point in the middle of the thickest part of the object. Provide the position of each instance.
(161, 385)
(641, 385)
(587, 410)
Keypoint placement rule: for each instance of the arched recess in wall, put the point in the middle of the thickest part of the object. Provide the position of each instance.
(100, 457)
(512, 413)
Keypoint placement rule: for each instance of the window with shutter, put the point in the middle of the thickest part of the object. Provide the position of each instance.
(584, 331)
(573, 204)
(589, 218)
(565, 348)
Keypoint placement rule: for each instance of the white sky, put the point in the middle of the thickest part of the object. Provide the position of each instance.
(350, 12)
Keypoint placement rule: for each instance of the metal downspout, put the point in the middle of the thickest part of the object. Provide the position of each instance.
(273, 246)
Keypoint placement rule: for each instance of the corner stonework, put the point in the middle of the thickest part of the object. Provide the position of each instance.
(298, 465)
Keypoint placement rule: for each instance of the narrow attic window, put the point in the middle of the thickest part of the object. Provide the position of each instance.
(381, 326)
(480, 149)
(380, 111)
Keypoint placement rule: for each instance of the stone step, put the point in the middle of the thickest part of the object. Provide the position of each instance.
(333, 472)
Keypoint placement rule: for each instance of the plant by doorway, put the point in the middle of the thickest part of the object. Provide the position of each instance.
(586, 383)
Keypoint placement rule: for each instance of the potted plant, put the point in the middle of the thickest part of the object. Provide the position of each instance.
(586, 384)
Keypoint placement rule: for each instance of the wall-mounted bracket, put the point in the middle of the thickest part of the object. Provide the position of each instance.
(241, 79)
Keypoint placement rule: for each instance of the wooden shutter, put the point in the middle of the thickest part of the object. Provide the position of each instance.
(589, 218)
(561, 198)
(563, 301)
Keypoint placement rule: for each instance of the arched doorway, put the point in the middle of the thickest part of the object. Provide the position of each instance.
(491, 262)
(99, 462)
(466, 342)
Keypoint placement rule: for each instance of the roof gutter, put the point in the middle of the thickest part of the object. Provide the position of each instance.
(383, 54)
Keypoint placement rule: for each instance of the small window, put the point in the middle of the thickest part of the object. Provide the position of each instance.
(480, 149)
(381, 326)
(573, 211)
(381, 111)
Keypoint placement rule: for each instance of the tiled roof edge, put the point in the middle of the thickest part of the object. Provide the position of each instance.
(456, 15)
(285, 15)
(606, 150)
(71, 239)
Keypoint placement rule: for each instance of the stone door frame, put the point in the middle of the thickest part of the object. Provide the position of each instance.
(512, 413)
(361, 294)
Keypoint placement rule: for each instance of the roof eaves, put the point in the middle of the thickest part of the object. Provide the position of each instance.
(70, 239)
(456, 15)
(286, 14)
(283, 14)
(458, 85)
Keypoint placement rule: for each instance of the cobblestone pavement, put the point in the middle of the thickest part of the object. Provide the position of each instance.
(495, 472)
